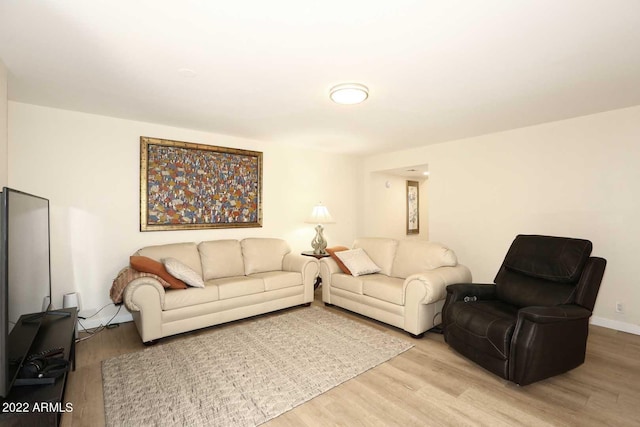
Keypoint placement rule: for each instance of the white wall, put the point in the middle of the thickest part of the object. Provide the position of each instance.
(577, 178)
(89, 168)
(3, 125)
(385, 210)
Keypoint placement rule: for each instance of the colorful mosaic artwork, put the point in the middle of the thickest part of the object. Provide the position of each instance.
(195, 186)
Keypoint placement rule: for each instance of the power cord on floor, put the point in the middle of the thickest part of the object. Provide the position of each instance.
(93, 331)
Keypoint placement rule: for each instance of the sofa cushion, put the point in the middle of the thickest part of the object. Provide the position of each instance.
(221, 258)
(181, 271)
(417, 256)
(187, 253)
(384, 288)
(237, 286)
(358, 262)
(263, 254)
(189, 297)
(147, 265)
(279, 279)
(347, 282)
(381, 251)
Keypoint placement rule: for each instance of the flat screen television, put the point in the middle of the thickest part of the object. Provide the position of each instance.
(25, 276)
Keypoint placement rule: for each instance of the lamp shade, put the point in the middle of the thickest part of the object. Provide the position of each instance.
(320, 215)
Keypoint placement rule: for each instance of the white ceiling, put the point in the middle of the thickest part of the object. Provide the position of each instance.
(436, 70)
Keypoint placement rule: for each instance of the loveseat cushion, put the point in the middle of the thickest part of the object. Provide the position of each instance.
(187, 253)
(417, 256)
(263, 254)
(381, 251)
(347, 282)
(389, 289)
(221, 258)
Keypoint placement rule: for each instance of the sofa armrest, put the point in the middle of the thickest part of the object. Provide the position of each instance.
(328, 266)
(144, 297)
(433, 283)
(308, 266)
(142, 292)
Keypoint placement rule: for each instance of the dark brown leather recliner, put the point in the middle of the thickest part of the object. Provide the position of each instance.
(533, 322)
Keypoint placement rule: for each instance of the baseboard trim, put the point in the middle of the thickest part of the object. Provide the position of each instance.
(616, 324)
(95, 322)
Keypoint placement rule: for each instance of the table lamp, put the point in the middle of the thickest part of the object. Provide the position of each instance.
(319, 215)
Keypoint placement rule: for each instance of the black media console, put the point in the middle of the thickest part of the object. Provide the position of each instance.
(42, 404)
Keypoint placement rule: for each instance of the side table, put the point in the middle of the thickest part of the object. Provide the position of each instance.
(316, 256)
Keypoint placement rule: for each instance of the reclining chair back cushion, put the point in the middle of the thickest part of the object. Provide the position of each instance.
(542, 270)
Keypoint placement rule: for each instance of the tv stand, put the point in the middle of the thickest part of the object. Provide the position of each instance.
(42, 404)
(30, 318)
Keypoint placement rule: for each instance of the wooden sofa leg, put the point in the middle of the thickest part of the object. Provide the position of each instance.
(326, 304)
(150, 343)
(307, 304)
(417, 337)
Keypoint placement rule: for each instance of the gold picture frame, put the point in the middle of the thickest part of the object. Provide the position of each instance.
(187, 186)
(413, 207)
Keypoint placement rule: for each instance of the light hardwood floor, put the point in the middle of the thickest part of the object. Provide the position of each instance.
(427, 385)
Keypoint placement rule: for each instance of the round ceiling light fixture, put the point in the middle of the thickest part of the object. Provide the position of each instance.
(349, 93)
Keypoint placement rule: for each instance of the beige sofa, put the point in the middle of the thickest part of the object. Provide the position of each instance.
(242, 279)
(408, 292)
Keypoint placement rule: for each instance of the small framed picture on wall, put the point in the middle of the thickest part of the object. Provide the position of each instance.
(413, 211)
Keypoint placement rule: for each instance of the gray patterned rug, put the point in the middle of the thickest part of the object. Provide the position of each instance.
(243, 375)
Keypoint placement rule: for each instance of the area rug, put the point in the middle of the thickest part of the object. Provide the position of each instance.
(242, 375)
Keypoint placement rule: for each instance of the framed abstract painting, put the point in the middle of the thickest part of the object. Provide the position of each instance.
(187, 186)
(413, 212)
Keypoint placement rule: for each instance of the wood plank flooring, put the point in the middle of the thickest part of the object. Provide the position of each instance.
(428, 385)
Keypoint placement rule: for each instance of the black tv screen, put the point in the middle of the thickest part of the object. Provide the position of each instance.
(25, 275)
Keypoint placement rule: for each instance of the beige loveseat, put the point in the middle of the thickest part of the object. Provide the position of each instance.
(242, 279)
(408, 292)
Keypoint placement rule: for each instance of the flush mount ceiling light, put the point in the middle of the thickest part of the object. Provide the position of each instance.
(349, 93)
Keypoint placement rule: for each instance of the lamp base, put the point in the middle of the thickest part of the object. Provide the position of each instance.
(319, 244)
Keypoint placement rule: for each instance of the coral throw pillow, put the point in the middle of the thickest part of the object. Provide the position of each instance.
(148, 265)
(332, 251)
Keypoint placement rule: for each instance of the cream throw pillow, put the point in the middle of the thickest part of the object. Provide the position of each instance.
(182, 272)
(358, 262)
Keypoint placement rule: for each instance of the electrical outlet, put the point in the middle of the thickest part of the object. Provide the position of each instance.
(619, 307)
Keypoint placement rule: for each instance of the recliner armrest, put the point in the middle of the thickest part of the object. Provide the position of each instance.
(558, 313)
(458, 291)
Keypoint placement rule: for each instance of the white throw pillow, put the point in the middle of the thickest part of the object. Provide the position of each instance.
(358, 262)
(182, 272)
